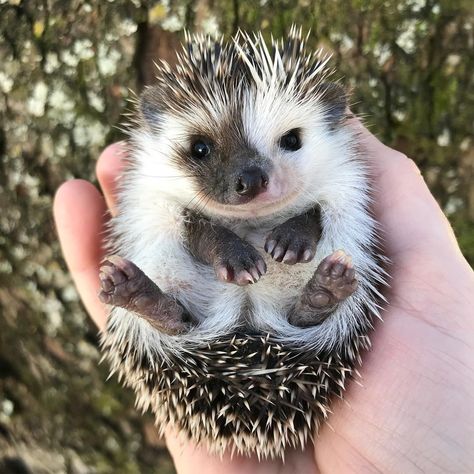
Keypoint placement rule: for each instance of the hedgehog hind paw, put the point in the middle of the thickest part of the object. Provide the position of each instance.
(123, 284)
(333, 281)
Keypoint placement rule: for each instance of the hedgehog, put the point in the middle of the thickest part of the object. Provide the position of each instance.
(244, 269)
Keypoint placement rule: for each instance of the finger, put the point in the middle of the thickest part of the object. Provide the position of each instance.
(108, 170)
(79, 212)
(187, 456)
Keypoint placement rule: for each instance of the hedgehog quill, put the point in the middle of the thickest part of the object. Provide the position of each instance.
(244, 270)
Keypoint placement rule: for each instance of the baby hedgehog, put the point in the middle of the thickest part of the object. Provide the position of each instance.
(244, 271)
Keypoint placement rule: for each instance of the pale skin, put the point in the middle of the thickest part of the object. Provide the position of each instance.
(414, 411)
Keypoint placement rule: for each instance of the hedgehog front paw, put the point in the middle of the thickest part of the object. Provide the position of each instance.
(244, 266)
(289, 245)
(333, 282)
(125, 285)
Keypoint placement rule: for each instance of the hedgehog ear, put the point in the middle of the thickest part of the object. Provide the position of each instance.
(334, 99)
(150, 105)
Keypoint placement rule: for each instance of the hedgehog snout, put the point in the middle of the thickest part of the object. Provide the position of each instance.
(251, 182)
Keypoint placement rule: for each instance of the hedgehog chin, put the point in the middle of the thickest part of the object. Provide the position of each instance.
(259, 207)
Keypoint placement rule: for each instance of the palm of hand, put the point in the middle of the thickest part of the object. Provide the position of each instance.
(414, 410)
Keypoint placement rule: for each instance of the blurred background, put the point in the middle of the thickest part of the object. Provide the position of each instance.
(66, 70)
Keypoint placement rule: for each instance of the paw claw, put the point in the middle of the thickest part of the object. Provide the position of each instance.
(255, 274)
(308, 255)
(338, 255)
(261, 266)
(278, 253)
(242, 269)
(223, 273)
(244, 278)
(291, 257)
(270, 246)
(106, 269)
(284, 245)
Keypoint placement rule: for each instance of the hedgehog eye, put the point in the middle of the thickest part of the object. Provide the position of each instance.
(200, 149)
(291, 140)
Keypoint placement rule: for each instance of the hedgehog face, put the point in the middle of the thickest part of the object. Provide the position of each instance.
(223, 166)
(241, 128)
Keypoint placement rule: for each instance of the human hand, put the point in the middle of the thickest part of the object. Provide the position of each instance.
(415, 410)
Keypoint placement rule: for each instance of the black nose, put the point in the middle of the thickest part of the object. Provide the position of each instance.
(251, 182)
